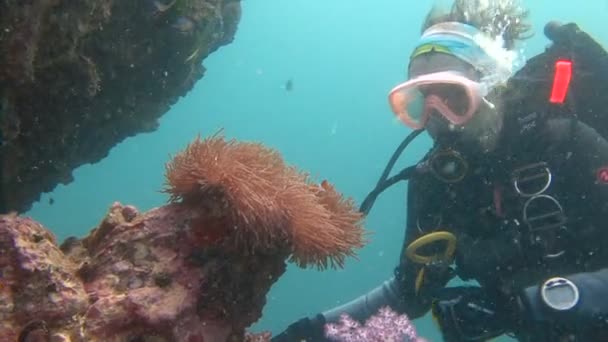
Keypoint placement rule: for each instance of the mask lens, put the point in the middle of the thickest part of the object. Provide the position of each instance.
(409, 103)
(416, 106)
(453, 97)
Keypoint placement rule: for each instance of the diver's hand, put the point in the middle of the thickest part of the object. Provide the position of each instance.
(306, 329)
(469, 314)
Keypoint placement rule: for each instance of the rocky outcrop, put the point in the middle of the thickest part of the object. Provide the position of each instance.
(77, 77)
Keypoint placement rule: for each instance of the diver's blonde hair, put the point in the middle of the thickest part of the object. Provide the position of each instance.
(506, 18)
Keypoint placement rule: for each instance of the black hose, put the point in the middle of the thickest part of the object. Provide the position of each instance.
(384, 182)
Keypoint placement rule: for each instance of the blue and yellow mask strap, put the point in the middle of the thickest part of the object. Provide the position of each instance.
(430, 48)
(468, 44)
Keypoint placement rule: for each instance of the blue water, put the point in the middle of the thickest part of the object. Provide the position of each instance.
(343, 57)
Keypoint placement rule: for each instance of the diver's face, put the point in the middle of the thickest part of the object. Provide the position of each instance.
(485, 124)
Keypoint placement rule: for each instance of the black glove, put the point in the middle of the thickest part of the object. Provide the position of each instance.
(469, 314)
(306, 329)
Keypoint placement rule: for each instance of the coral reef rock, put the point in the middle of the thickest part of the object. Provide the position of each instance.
(135, 277)
(77, 77)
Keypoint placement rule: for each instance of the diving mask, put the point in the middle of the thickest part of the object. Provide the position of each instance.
(452, 95)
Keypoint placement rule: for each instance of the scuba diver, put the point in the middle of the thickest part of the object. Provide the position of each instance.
(513, 194)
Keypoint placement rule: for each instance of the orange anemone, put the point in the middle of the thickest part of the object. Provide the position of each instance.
(262, 203)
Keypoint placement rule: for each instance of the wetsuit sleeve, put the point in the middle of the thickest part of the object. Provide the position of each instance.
(363, 307)
(399, 292)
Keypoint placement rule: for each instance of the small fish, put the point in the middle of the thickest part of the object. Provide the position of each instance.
(334, 128)
(326, 185)
(51, 201)
(289, 85)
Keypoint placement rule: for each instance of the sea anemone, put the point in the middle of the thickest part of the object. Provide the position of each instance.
(325, 224)
(258, 202)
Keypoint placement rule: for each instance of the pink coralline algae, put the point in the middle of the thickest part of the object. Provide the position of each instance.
(131, 278)
(385, 326)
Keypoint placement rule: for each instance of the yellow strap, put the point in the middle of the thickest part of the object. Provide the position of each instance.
(447, 255)
(419, 279)
(435, 318)
(426, 48)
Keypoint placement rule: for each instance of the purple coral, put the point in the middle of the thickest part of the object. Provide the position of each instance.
(385, 326)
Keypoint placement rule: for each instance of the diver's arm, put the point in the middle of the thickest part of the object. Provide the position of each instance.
(367, 305)
(360, 309)
(398, 292)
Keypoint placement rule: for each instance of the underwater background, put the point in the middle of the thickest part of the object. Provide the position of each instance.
(309, 78)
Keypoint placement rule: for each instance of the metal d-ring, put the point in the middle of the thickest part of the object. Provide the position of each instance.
(543, 172)
(559, 212)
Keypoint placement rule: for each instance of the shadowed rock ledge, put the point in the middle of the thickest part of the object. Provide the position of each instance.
(78, 77)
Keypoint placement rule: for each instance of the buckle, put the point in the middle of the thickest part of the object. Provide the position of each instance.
(544, 216)
(543, 212)
(532, 180)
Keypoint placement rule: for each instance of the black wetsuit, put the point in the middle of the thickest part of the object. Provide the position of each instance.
(497, 245)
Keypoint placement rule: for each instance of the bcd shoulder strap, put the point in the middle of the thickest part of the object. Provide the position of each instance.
(529, 92)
